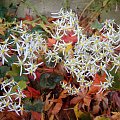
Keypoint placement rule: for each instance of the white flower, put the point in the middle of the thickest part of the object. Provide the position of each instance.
(31, 68)
(3, 53)
(21, 64)
(53, 56)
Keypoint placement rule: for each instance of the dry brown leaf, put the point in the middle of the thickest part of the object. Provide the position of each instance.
(48, 103)
(116, 116)
(51, 117)
(75, 100)
(2, 29)
(87, 101)
(9, 116)
(96, 109)
(57, 108)
(63, 94)
(116, 99)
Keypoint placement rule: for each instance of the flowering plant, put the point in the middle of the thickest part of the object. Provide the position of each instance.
(65, 57)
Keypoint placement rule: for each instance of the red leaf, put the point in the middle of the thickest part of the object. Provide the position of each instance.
(36, 115)
(28, 17)
(38, 75)
(70, 37)
(31, 92)
(27, 93)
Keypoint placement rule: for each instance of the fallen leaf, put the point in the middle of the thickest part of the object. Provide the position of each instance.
(51, 41)
(77, 112)
(36, 115)
(57, 108)
(70, 37)
(59, 103)
(75, 100)
(48, 103)
(95, 109)
(116, 116)
(31, 92)
(87, 101)
(51, 117)
(63, 94)
(97, 80)
(116, 99)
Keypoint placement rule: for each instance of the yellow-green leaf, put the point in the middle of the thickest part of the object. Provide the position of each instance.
(77, 112)
(22, 84)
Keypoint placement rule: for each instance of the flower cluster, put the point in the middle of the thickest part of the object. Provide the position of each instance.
(81, 56)
(89, 55)
(27, 47)
(11, 100)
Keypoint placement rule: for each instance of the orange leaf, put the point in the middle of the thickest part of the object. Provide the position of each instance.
(97, 80)
(51, 41)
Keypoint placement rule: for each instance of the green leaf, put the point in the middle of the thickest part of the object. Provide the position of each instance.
(19, 78)
(15, 73)
(22, 84)
(37, 28)
(3, 11)
(43, 18)
(96, 25)
(15, 70)
(3, 70)
(11, 60)
(49, 80)
(85, 116)
(116, 84)
(36, 106)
